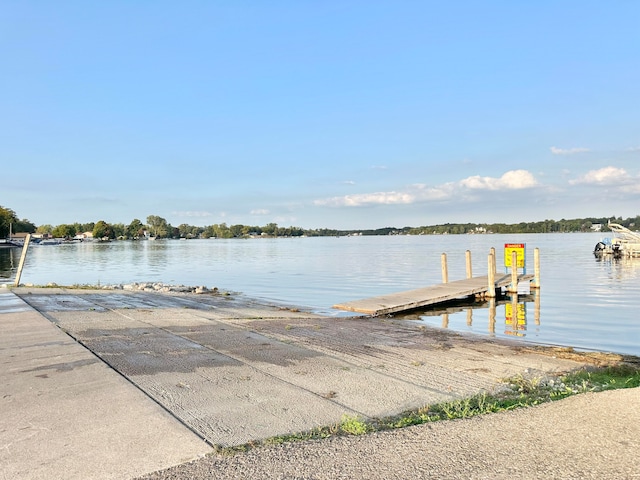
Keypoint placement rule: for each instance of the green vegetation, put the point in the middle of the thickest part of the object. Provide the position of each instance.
(9, 220)
(518, 392)
(159, 227)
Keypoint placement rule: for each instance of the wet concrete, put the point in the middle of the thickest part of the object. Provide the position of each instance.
(234, 370)
(66, 414)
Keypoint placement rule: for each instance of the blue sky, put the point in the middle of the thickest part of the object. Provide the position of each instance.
(327, 114)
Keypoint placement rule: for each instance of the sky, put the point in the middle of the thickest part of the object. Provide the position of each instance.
(319, 114)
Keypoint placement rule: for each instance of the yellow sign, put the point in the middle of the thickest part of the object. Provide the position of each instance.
(509, 248)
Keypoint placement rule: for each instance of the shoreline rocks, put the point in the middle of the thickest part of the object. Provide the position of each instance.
(165, 288)
(142, 286)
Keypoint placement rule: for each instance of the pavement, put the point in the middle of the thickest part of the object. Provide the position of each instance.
(117, 384)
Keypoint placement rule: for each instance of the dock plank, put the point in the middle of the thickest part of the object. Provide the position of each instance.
(426, 296)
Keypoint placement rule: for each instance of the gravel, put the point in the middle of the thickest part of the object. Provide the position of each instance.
(588, 436)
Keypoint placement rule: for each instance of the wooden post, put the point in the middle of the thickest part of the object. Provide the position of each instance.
(492, 315)
(513, 288)
(23, 257)
(445, 271)
(536, 311)
(491, 287)
(467, 256)
(536, 268)
(470, 316)
(492, 251)
(445, 320)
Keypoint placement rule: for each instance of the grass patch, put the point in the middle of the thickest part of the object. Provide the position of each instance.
(353, 425)
(518, 392)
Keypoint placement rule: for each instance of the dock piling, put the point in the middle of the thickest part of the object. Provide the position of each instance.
(491, 284)
(536, 268)
(445, 270)
(467, 256)
(492, 251)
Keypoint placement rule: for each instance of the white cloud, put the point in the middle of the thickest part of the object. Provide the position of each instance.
(568, 151)
(192, 214)
(260, 211)
(349, 182)
(512, 180)
(359, 200)
(290, 220)
(633, 188)
(604, 176)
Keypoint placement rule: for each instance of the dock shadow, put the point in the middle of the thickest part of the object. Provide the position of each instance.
(508, 314)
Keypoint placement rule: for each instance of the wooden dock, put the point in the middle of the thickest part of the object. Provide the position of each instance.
(424, 297)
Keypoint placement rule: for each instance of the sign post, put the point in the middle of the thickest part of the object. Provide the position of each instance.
(520, 251)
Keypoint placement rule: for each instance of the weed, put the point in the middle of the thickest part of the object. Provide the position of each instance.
(519, 392)
(608, 378)
(525, 385)
(353, 425)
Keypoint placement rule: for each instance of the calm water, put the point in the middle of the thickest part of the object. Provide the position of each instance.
(584, 303)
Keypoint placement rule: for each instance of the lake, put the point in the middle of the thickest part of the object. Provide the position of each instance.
(585, 302)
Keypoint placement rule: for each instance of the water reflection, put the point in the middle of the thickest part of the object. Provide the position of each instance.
(506, 315)
(9, 259)
(622, 268)
(587, 304)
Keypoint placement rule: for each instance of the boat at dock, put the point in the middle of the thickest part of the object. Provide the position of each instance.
(9, 244)
(623, 243)
(50, 241)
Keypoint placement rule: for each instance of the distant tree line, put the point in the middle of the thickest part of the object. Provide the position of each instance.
(158, 227)
(545, 226)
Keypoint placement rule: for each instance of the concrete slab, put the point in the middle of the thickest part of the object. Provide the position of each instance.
(235, 372)
(65, 414)
(231, 369)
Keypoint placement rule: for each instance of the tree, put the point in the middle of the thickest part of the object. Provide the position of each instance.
(7, 218)
(221, 231)
(236, 230)
(64, 231)
(103, 230)
(9, 222)
(119, 230)
(271, 229)
(158, 226)
(24, 225)
(208, 232)
(135, 229)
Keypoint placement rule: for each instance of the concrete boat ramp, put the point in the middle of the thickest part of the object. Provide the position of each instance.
(114, 384)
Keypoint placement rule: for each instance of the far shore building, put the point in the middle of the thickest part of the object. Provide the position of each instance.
(84, 236)
(18, 237)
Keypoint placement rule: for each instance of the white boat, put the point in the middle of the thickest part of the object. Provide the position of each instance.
(50, 241)
(624, 243)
